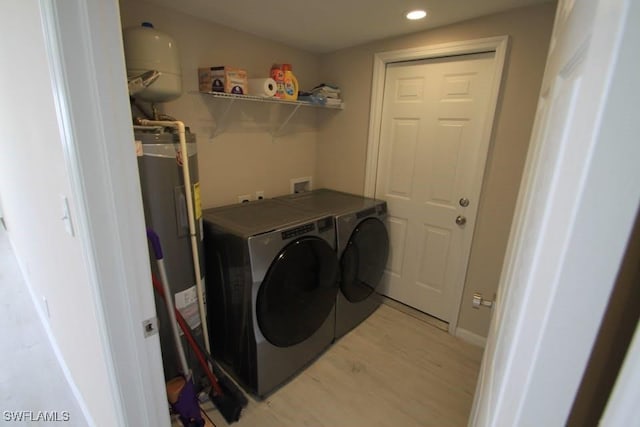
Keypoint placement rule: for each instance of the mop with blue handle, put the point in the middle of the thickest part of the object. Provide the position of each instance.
(186, 405)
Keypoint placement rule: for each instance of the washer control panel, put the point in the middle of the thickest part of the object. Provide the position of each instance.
(298, 231)
(325, 224)
(322, 225)
(365, 213)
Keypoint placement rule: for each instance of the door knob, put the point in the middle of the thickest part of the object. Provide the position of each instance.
(464, 202)
(461, 220)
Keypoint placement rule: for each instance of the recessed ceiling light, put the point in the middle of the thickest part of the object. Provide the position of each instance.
(416, 14)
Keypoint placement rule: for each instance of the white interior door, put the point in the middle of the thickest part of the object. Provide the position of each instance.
(432, 155)
(577, 204)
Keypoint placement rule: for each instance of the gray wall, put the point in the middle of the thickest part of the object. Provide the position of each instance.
(342, 143)
(331, 146)
(244, 158)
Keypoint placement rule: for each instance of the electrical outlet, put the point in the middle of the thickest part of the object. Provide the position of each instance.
(245, 198)
(259, 195)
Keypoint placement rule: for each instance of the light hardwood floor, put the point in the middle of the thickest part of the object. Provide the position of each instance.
(392, 370)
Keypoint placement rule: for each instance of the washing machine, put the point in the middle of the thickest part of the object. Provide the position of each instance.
(362, 247)
(272, 281)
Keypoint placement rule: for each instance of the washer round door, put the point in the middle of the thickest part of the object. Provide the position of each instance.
(298, 292)
(364, 259)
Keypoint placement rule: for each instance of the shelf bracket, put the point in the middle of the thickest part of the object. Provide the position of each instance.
(278, 132)
(272, 100)
(218, 130)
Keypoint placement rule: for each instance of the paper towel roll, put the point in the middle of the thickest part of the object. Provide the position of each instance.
(262, 87)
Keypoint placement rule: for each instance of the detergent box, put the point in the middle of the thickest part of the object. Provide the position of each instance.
(223, 79)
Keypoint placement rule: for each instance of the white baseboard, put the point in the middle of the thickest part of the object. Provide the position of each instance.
(44, 321)
(471, 338)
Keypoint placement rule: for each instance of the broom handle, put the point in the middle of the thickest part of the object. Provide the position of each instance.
(157, 249)
(187, 333)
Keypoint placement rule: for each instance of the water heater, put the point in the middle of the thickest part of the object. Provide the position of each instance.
(145, 49)
(163, 195)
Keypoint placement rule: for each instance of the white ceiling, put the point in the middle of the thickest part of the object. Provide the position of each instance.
(329, 25)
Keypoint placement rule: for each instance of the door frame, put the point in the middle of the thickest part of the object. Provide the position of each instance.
(88, 80)
(499, 46)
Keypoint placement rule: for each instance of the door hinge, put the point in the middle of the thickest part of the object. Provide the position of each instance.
(150, 326)
(4, 224)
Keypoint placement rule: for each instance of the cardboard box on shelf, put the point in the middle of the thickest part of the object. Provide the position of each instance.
(223, 79)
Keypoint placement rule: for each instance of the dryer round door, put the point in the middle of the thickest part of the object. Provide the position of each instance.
(364, 259)
(298, 292)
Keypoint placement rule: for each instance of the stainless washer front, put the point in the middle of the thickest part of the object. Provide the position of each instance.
(362, 246)
(271, 287)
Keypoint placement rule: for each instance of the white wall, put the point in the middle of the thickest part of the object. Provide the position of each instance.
(33, 177)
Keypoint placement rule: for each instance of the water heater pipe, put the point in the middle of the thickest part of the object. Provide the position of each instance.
(192, 224)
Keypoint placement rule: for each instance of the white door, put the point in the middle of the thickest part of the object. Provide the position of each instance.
(578, 200)
(432, 153)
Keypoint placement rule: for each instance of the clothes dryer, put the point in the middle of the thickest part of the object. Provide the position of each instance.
(272, 281)
(362, 247)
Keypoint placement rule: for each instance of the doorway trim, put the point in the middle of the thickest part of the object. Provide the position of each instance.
(88, 79)
(498, 44)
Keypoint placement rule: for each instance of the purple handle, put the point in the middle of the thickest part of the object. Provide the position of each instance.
(155, 243)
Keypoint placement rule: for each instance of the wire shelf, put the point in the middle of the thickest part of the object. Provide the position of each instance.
(271, 100)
